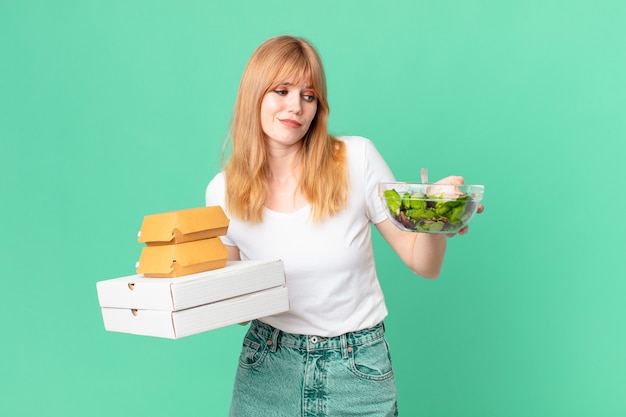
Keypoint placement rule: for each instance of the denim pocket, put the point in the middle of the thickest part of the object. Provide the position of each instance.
(253, 352)
(371, 361)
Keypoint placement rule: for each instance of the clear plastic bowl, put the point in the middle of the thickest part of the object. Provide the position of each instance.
(430, 208)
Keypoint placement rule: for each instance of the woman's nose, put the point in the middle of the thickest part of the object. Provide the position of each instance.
(293, 103)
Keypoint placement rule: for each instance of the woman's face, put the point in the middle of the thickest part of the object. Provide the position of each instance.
(286, 113)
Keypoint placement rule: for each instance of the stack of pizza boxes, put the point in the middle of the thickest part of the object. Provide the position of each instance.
(184, 283)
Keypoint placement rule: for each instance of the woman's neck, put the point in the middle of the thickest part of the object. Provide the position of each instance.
(284, 191)
(285, 164)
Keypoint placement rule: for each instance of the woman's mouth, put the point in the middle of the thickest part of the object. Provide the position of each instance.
(294, 124)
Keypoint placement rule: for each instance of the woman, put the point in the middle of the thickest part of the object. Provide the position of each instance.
(296, 193)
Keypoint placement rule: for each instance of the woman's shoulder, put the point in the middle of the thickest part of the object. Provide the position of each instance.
(216, 189)
(358, 145)
(218, 179)
(363, 155)
(354, 140)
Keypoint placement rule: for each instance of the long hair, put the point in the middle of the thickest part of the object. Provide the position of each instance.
(323, 179)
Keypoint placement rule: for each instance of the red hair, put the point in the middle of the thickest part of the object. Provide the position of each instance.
(323, 178)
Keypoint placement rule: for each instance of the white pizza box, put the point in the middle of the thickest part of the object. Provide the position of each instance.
(173, 294)
(182, 323)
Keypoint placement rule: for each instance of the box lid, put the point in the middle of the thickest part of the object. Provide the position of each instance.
(183, 226)
(171, 294)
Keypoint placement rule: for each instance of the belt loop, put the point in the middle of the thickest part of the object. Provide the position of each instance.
(344, 346)
(274, 340)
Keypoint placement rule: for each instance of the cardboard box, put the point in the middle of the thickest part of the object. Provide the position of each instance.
(236, 278)
(177, 324)
(166, 261)
(183, 226)
(178, 307)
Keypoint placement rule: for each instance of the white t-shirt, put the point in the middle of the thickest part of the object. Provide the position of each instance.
(329, 266)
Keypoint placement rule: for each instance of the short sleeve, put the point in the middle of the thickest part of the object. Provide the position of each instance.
(215, 195)
(376, 171)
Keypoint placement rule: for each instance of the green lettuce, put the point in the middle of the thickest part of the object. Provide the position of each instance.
(429, 213)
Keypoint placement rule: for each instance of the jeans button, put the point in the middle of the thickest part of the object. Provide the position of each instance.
(314, 340)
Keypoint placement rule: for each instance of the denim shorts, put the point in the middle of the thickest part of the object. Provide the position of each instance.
(288, 375)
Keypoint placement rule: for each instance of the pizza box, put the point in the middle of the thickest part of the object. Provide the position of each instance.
(172, 294)
(183, 226)
(182, 323)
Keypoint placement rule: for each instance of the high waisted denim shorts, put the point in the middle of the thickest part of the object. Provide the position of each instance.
(288, 375)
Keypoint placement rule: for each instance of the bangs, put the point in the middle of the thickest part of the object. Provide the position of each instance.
(294, 71)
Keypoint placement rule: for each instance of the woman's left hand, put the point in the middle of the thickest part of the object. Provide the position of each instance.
(457, 180)
(465, 229)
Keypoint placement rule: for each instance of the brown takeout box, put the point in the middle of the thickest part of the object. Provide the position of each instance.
(182, 226)
(167, 261)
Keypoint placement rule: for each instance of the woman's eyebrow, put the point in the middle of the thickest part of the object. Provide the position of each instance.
(288, 83)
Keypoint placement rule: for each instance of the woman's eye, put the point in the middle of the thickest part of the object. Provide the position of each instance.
(309, 98)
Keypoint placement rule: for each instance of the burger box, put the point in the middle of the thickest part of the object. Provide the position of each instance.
(176, 260)
(183, 226)
(178, 307)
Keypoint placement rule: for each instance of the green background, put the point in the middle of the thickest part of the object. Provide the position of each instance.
(111, 110)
